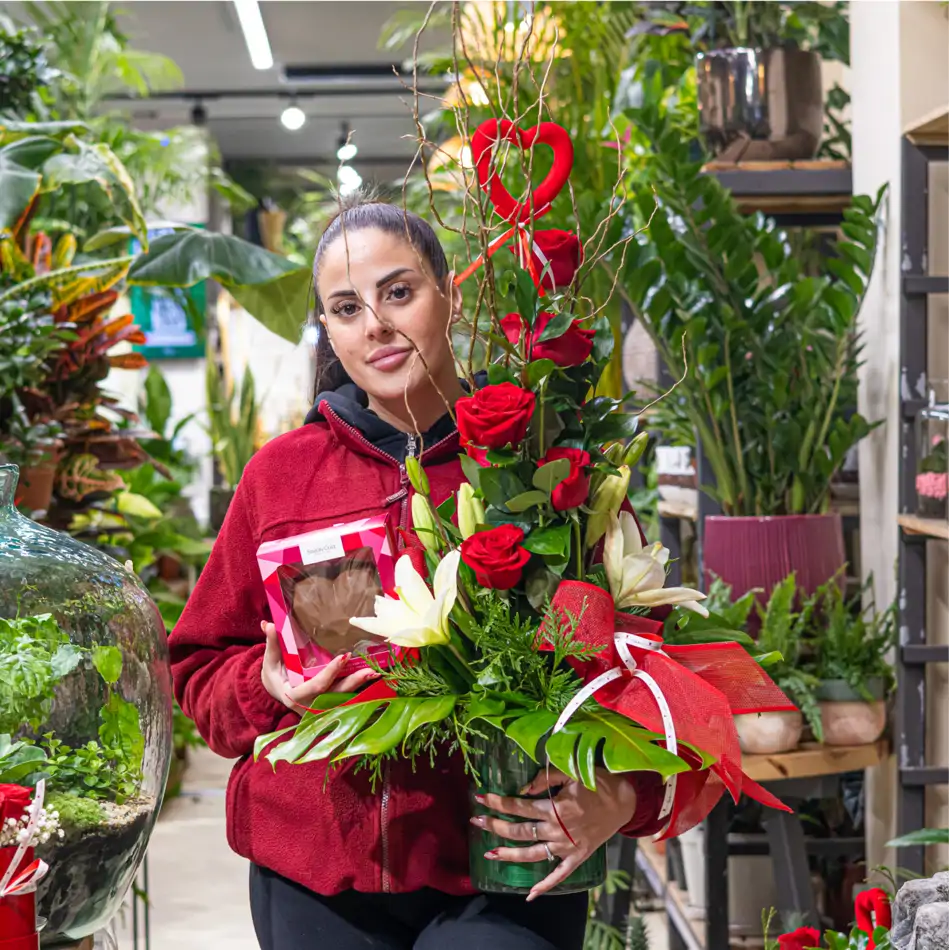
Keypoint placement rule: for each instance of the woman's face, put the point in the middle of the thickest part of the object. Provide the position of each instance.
(380, 308)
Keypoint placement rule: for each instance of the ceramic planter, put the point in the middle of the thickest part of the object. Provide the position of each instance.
(769, 733)
(847, 718)
(749, 552)
(760, 104)
(35, 488)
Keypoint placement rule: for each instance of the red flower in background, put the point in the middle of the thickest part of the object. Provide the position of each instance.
(496, 556)
(802, 939)
(14, 802)
(561, 250)
(493, 417)
(571, 348)
(872, 909)
(573, 491)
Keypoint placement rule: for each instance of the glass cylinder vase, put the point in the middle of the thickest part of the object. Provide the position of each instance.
(85, 685)
(502, 768)
(931, 440)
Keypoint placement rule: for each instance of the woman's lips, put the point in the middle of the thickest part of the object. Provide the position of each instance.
(390, 359)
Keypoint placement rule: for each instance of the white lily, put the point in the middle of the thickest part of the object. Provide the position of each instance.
(416, 617)
(636, 575)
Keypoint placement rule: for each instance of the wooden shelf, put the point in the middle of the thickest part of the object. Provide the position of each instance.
(681, 512)
(813, 759)
(931, 129)
(932, 527)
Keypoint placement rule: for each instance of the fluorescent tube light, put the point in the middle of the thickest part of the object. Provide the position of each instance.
(255, 33)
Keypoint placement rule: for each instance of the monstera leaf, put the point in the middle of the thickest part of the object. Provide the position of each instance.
(272, 289)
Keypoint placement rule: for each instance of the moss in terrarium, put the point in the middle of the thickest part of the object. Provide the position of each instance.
(76, 813)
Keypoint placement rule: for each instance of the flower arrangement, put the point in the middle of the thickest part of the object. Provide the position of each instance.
(15, 818)
(525, 599)
(931, 481)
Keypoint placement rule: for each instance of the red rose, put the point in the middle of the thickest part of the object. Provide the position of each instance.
(572, 492)
(493, 417)
(14, 802)
(496, 556)
(571, 348)
(804, 938)
(561, 250)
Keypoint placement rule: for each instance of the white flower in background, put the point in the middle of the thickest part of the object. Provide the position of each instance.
(637, 574)
(416, 617)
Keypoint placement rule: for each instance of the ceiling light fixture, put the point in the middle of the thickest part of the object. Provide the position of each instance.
(293, 117)
(349, 179)
(346, 147)
(255, 33)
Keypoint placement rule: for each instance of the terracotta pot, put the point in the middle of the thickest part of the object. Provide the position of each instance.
(769, 733)
(750, 553)
(35, 489)
(169, 568)
(847, 718)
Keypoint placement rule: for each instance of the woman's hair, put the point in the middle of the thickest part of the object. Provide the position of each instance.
(358, 212)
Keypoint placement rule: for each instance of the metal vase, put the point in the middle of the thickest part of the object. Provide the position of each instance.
(760, 105)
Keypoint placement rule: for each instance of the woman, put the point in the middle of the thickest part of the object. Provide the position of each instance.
(334, 860)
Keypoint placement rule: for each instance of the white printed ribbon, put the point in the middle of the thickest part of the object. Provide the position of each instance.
(12, 883)
(623, 642)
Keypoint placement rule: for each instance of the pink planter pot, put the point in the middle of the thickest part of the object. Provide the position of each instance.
(760, 552)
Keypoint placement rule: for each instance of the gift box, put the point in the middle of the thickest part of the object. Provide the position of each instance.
(315, 582)
(18, 910)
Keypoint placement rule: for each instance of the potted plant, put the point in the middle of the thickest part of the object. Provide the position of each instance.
(785, 623)
(931, 481)
(758, 72)
(233, 427)
(768, 358)
(853, 641)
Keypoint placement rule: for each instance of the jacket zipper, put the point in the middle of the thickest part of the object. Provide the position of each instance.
(401, 495)
(384, 799)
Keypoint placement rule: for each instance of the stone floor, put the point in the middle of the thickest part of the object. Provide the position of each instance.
(198, 888)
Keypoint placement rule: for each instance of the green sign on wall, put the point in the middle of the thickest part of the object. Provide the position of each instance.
(171, 318)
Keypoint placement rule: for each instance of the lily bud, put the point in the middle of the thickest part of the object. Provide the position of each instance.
(605, 504)
(636, 449)
(614, 454)
(424, 523)
(471, 511)
(417, 476)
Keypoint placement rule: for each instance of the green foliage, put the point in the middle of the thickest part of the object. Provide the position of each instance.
(922, 836)
(853, 639)
(24, 71)
(232, 422)
(36, 655)
(936, 458)
(76, 813)
(771, 353)
(184, 732)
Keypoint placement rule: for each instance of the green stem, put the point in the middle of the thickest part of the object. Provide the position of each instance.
(578, 543)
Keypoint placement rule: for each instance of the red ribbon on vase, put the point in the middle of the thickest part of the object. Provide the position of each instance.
(689, 694)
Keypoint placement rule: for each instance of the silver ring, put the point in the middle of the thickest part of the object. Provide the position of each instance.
(534, 829)
(547, 851)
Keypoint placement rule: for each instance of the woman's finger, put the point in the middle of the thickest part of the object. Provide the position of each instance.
(560, 873)
(545, 779)
(519, 807)
(351, 683)
(319, 684)
(518, 830)
(528, 855)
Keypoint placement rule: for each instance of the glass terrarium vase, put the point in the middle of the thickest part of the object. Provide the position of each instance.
(85, 694)
(931, 479)
(502, 768)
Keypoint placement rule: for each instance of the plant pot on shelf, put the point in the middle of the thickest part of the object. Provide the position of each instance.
(35, 488)
(760, 105)
(218, 508)
(769, 733)
(750, 552)
(847, 717)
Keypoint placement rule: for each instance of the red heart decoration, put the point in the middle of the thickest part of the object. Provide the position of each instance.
(504, 130)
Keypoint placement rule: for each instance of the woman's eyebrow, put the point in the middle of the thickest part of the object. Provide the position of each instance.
(392, 275)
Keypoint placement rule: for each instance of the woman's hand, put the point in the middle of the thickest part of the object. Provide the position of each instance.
(591, 817)
(274, 676)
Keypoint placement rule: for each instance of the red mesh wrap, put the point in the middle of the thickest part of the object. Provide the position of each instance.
(701, 684)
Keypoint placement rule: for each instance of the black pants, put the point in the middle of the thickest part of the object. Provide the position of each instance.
(290, 917)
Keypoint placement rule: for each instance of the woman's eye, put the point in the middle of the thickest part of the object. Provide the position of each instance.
(400, 292)
(346, 310)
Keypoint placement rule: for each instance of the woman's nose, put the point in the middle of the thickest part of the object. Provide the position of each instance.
(376, 326)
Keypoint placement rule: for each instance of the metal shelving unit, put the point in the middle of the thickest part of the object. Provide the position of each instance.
(921, 146)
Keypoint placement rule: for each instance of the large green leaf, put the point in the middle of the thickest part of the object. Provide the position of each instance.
(528, 730)
(341, 725)
(272, 289)
(18, 185)
(384, 734)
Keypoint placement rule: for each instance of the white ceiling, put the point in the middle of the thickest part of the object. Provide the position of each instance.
(205, 40)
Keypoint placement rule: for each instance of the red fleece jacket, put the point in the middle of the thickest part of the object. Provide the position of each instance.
(337, 834)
